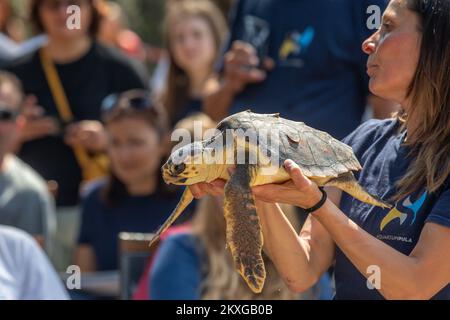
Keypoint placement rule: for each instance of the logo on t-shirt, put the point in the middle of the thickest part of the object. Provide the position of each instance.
(403, 210)
(296, 43)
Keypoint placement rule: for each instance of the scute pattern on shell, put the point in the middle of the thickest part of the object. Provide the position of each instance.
(316, 152)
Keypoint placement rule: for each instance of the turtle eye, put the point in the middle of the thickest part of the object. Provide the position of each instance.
(178, 169)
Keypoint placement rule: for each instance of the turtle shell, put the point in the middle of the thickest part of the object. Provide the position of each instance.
(316, 152)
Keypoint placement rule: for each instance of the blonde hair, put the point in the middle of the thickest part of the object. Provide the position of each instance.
(177, 84)
(222, 280)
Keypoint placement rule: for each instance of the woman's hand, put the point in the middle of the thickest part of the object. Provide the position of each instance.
(299, 191)
(36, 125)
(215, 188)
(241, 66)
(89, 134)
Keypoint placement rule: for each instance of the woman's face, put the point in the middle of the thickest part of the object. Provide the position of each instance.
(394, 52)
(55, 18)
(135, 149)
(192, 44)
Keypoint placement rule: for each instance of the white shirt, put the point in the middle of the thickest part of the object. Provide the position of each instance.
(25, 271)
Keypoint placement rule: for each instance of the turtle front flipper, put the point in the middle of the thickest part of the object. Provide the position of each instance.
(347, 182)
(185, 200)
(244, 236)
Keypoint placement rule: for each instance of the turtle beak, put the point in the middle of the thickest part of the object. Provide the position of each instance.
(182, 180)
(165, 174)
(170, 178)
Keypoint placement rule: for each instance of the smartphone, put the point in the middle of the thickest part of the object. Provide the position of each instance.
(256, 32)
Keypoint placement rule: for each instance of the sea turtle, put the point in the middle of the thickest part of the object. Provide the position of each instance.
(323, 159)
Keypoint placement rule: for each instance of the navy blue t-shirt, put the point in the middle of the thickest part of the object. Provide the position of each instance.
(192, 105)
(379, 147)
(320, 75)
(101, 224)
(176, 273)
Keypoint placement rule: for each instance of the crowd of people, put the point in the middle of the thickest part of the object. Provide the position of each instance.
(84, 130)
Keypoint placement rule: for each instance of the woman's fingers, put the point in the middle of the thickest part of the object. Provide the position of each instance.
(215, 188)
(196, 190)
(266, 193)
(294, 171)
(298, 191)
(89, 134)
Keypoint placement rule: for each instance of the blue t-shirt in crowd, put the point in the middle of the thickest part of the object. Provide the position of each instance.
(101, 224)
(176, 273)
(379, 147)
(178, 270)
(320, 74)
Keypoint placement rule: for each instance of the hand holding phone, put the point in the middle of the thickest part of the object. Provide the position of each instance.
(36, 124)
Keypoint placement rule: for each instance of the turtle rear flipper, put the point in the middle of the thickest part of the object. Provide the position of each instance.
(244, 236)
(347, 182)
(185, 200)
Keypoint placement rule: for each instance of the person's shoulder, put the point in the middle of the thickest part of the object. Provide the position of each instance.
(23, 63)
(114, 57)
(179, 238)
(93, 187)
(371, 133)
(15, 240)
(91, 192)
(13, 234)
(372, 130)
(24, 178)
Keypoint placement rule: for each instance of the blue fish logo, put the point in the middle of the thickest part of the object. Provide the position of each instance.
(296, 42)
(395, 213)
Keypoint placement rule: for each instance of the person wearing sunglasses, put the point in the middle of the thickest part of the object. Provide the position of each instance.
(25, 201)
(132, 198)
(69, 77)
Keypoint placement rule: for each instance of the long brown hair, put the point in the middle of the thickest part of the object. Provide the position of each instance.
(222, 282)
(176, 90)
(429, 92)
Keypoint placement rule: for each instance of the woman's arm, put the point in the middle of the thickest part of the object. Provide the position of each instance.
(299, 259)
(420, 275)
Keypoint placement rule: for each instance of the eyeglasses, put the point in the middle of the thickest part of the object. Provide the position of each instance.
(6, 114)
(136, 99)
(55, 5)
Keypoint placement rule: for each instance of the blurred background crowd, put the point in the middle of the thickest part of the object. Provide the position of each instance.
(86, 117)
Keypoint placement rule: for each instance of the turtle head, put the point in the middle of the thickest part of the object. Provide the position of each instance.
(185, 166)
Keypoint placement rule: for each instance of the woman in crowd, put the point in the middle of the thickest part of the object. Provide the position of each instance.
(133, 198)
(194, 32)
(69, 77)
(380, 253)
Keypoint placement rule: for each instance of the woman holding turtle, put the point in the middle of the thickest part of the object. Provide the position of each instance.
(398, 253)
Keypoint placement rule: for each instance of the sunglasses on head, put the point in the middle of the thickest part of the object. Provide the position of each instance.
(6, 114)
(138, 100)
